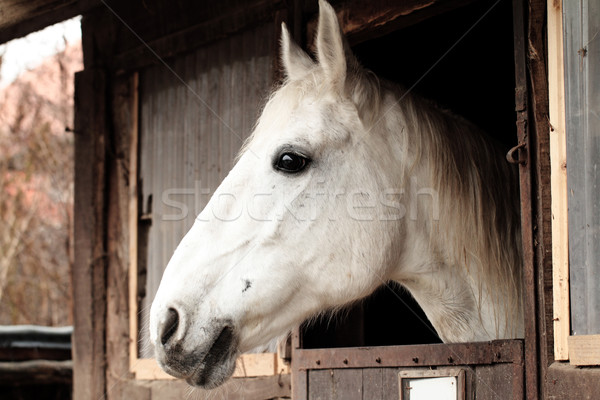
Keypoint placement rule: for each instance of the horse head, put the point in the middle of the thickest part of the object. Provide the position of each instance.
(292, 230)
(345, 183)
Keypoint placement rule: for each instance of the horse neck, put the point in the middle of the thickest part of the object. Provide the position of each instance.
(460, 309)
(460, 263)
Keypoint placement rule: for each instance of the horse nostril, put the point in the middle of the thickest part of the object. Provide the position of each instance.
(170, 326)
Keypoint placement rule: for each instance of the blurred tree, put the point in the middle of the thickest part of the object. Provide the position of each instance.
(36, 193)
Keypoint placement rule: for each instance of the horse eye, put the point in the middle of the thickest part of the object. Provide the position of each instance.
(291, 162)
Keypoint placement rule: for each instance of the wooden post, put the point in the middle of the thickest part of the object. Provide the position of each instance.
(133, 222)
(88, 275)
(558, 161)
(122, 173)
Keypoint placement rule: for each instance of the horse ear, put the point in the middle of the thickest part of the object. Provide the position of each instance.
(330, 44)
(342, 67)
(296, 63)
(338, 62)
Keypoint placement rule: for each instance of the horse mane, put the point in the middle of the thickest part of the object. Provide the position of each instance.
(478, 199)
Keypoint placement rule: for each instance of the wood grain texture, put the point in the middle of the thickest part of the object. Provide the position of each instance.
(564, 381)
(33, 372)
(501, 351)
(19, 18)
(372, 379)
(490, 382)
(320, 385)
(541, 196)
(495, 383)
(584, 349)
(234, 389)
(89, 269)
(558, 173)
(362, 20)
(124, 121)
(192, 25)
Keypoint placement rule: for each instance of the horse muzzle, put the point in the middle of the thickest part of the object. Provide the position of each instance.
(202, 355)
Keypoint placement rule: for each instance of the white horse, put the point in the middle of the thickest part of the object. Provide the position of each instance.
(346, 182)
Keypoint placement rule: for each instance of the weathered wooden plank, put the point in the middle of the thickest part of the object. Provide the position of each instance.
(19, 18)
(536, 366)
(372, 383)
(121, 348)
(565, 381)
(14, 11)
(36, 372)
(320, 385)
(389, 381)
(526, 137)
(362, 21)
(584, 349)
(130, 131)
(89, 269)
(260, 364)
(249, 368)
(299, 376)
(495, 382)
(558, 162)
(501, 351)
(234, 389)
(299, 384)
(347, 384)
(221, 23)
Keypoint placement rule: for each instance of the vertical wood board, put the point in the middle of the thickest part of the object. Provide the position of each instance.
(121, 182)
(88, 275)
(558, 158)
(489, 382)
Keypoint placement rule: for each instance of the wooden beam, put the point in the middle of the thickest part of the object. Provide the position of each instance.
(120, 180)
(526, 136)
(558, 162)
(541, 195)
(153, 51)
(19, 18)
(362, 20)
(564, 381)
(36, 372)
(248, 366)
(446, 354)
(89, 267)
(584, 350)
(266, 387)
(133, 213)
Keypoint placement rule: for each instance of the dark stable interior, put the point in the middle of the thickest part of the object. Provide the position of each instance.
(464, 61)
